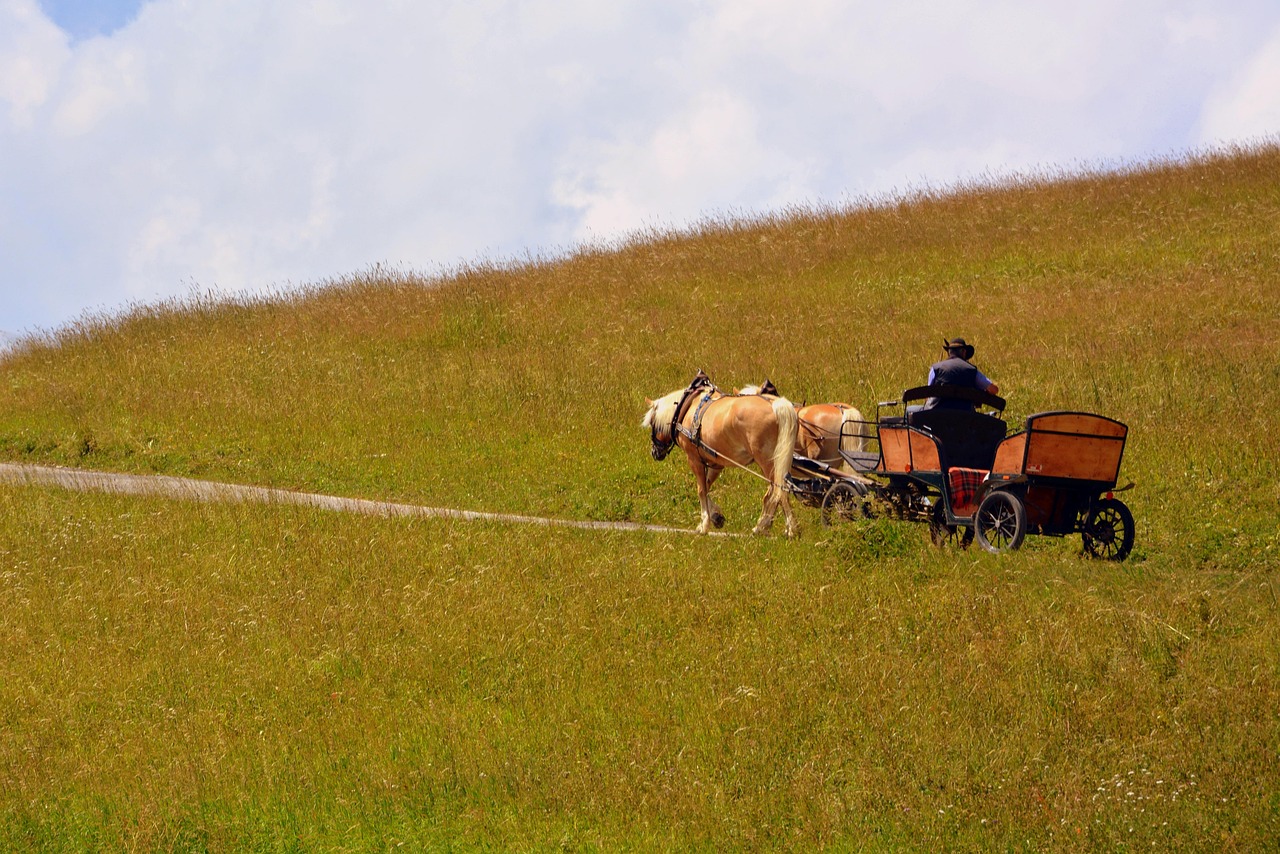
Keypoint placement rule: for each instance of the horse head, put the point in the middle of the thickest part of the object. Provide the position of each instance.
(659, 421)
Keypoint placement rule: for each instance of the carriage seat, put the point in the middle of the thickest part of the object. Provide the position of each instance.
(968, 439)
(963, 486)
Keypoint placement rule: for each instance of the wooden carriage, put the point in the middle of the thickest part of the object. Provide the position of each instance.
(958, 470)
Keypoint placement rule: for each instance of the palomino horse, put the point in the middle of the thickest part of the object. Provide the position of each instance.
(826, 429)
(717, 430)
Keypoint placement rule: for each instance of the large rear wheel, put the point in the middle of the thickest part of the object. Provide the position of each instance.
(1001, 522)
(1108, 532)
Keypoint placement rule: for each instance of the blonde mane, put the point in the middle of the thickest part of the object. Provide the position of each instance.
(662, 412)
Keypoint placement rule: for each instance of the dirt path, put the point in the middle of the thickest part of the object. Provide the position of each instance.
(205, 490)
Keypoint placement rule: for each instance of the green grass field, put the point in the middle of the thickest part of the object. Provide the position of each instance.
(187, 676)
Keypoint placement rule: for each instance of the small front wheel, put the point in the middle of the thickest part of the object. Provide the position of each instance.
(1108, 532)
(842, 501)
(1001, 522)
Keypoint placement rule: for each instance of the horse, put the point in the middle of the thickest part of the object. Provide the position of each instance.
(716, 430)
(826, 429)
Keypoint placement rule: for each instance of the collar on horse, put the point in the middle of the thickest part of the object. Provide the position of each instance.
(701, 383)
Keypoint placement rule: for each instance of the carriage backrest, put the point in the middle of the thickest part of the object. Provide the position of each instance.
(1011, 454)
(971, 396)
(968, 439)
(1068, 445)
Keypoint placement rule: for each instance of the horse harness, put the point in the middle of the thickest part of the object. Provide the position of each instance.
(706, 391)
(695, 435)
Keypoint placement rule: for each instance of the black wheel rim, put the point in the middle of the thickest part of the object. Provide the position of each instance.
(839, 503)
(1108, 534)
(999, 524)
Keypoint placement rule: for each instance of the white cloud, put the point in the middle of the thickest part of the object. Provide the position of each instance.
(32, 53)
(1248, 107)
(103, 81)
(711, 150)
(233, 144)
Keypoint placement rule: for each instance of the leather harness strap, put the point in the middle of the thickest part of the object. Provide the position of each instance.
(663, 447)
(695, 435)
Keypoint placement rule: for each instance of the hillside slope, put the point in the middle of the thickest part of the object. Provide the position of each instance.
(1148, 296)
(207, 677)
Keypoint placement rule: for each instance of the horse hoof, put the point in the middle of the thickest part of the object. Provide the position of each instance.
(718, 520)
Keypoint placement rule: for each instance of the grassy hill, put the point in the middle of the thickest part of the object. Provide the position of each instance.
(193, 676)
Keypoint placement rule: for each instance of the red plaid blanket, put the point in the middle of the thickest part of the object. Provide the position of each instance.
(964, 484)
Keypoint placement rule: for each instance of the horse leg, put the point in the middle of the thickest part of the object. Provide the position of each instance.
(766, 517)
(717, 517)
(770, 505)
(703, 480)
(793, 528)
(774, 498)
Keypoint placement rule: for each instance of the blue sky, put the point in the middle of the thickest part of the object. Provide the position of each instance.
(179, 147)
(83, 19)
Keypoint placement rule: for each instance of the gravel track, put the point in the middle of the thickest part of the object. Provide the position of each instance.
(188, 489)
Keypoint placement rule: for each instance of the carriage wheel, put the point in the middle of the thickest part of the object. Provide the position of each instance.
(1108, 532)
(1001, 522)
(842, 502)
(944, 535)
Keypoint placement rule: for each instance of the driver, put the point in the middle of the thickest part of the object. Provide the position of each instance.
(956, 369)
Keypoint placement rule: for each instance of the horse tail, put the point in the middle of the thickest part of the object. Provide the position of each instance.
(852, 438)
(788, 428)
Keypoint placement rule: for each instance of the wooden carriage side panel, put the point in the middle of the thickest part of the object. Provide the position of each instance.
(1010, 453)
(924, 452)
(904, 450)
(1093, 458)
(1077, 446)
(895, 453)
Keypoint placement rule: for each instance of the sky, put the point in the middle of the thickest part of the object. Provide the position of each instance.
(153, 149)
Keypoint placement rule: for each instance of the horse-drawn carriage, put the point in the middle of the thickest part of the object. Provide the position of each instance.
(957, 470)
(950, 464)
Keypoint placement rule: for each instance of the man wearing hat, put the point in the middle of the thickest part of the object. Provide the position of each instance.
(956, 369)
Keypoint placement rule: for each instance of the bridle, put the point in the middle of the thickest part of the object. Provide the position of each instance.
(659, 448)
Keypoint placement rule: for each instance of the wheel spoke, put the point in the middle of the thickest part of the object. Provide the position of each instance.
(1108, 532)
(1000, 522)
